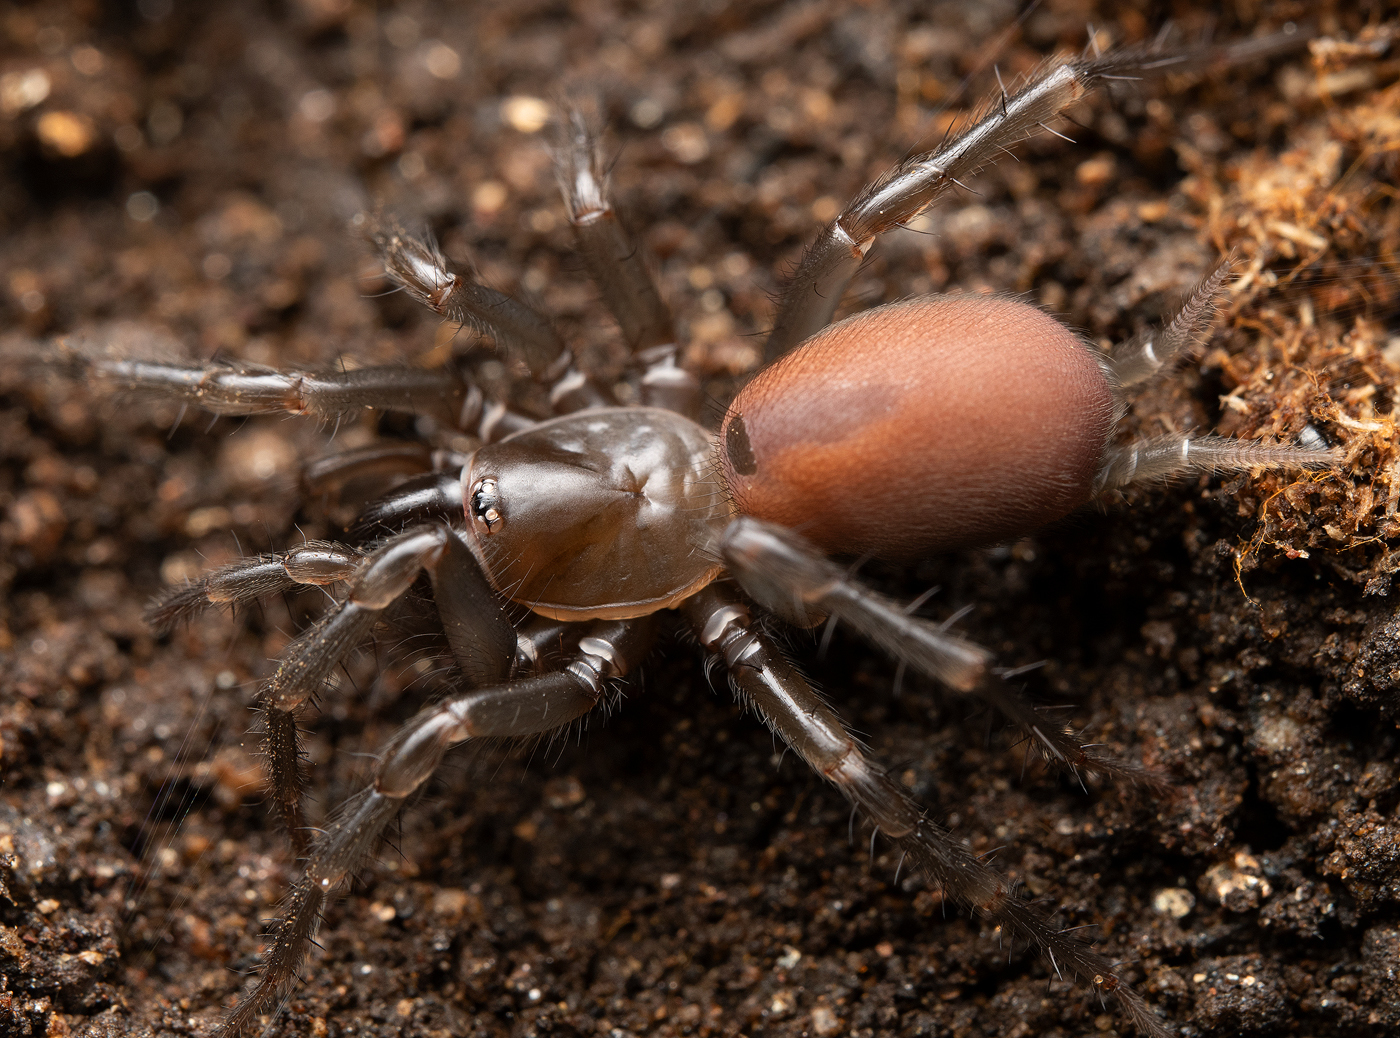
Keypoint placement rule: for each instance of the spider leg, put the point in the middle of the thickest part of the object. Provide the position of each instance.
(815, 290)
(1162, 457)
(828, 265)
(379, 580)
(617, 265)
(789, 576)
(1153, 352)
(1149, 355)
(315, 562)
(803, 720)
(443, 394)
(529, 706)
(482, 639)
(418, 266)
(243, 389)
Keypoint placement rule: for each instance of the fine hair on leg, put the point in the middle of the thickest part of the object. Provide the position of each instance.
(802, 719)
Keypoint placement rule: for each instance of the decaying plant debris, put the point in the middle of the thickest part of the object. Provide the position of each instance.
(665, 875)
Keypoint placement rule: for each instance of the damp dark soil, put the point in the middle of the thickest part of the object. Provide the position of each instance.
(182, 180)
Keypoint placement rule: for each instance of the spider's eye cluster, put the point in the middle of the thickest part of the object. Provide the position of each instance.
(485, 505)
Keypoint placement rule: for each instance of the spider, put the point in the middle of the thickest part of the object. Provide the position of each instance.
(554, 546)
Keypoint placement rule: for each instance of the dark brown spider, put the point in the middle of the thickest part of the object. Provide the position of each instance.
(897, 433)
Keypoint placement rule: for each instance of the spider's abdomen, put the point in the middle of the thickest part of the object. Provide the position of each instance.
(921, 426)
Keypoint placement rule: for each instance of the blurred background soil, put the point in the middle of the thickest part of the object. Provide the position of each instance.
(181, 180)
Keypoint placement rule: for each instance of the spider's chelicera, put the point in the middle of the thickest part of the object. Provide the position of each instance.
(901, 432)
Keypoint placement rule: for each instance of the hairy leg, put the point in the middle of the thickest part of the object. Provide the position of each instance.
(791, 577)
(617, 265)
(1154, 352)
(1162, 457)
(803, 720)
(243, 389)
(418, 266)
(526, 707)
(827, 267)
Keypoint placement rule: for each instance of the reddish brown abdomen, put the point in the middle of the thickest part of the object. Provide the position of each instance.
(921, 426)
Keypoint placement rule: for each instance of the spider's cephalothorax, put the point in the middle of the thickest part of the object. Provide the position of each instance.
(904, 431)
